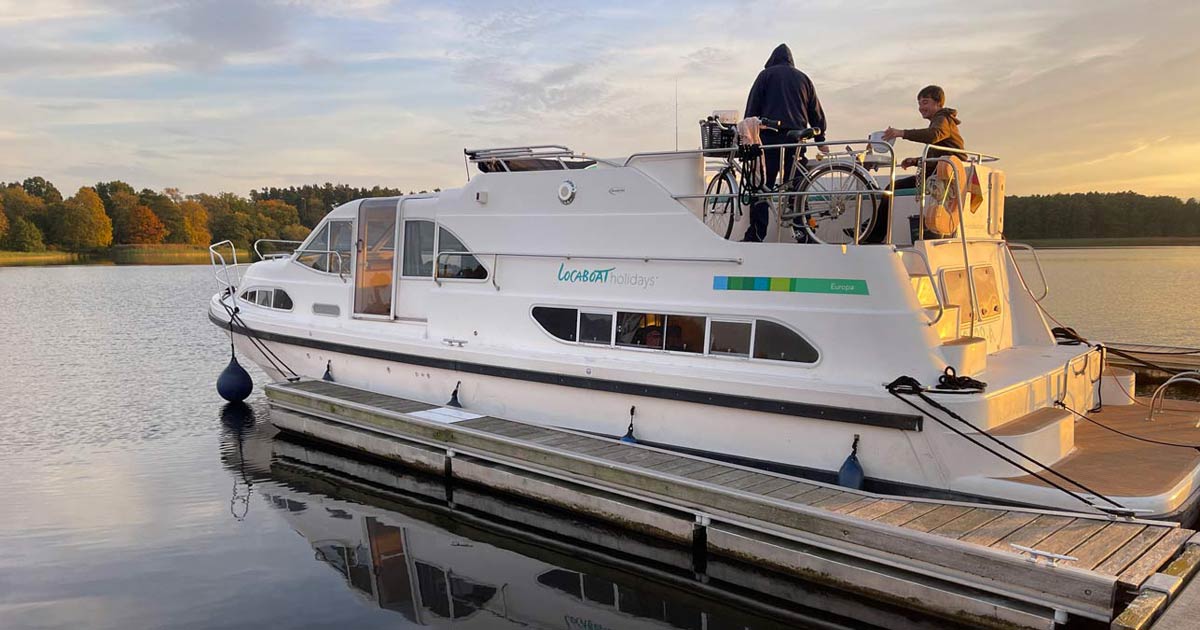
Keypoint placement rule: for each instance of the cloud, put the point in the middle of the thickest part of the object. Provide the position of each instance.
(206, 32)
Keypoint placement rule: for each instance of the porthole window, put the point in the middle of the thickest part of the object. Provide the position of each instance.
(780, 343)
(559, 322)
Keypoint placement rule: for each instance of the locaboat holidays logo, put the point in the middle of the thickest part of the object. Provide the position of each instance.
(609, 276)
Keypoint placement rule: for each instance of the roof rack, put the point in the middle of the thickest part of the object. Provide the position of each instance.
(538, 157)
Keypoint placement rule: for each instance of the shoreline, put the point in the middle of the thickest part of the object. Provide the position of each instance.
(119, 255)
(192, 255)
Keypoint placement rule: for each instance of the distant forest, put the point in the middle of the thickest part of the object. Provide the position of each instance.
(1099, 215)
(34, 216)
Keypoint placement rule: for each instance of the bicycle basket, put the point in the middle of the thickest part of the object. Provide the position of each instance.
(714, 136)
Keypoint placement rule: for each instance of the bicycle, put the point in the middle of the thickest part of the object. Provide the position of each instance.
(821, 200)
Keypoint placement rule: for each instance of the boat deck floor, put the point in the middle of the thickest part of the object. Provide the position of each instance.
(1117, 465)
(1129, 550)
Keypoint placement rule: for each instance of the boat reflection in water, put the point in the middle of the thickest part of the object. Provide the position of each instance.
(464, 558)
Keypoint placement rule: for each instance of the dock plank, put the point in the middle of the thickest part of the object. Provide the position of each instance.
(1034, 532)
(788, 493)
(733, 475)
(838, 500)
(708, 473)
(936, 518)
(753, 480)
(1132, 550)
(485, 423)
(815, 496)
(850, 507)
(1103, 544)
(1071, 536)
(906, 513)
(877, 509)
(1154, 558)
(681, 467)
(967, 522)
(989, 534)
(770, 485)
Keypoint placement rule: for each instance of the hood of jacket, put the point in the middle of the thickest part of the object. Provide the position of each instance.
(782, 55)
(948, 112)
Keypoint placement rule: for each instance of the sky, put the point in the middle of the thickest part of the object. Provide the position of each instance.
(232, 95)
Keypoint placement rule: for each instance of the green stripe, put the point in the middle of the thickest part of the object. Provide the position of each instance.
(843, 286)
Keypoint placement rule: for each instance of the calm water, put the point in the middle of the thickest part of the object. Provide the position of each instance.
(133, 501)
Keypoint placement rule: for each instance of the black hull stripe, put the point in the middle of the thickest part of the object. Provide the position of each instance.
(906, 422)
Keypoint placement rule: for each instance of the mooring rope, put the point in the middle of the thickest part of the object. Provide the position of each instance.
(257, 342)
(907, 385)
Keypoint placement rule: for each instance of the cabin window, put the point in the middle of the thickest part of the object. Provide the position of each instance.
(457, 265)
(640, 330)
(282, 300)
(685, 333)
(562, 580)
(596, 328)
(250, 296)
(264, 298)
(314, 253)
(560, 322)
(329, 249)
(341, 244)
(780, 343)
(418, 249)
(729, 338)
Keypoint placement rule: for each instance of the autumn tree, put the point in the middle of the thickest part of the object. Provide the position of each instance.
(82, 224)
(195, 223)
(144, 227)
(23, 236)
(19, 203)
(3, 221)
(167, 211)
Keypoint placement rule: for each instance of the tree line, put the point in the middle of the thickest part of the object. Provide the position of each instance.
(1099, 215)
(34, 216)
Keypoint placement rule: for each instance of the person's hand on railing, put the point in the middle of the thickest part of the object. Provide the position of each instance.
(909, 162)
(892, 132)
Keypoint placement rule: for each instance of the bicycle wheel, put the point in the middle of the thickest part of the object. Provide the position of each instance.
(721, 206)
(828, 217)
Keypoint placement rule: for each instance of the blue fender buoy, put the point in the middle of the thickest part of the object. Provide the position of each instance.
(851, 475)
(234, 384)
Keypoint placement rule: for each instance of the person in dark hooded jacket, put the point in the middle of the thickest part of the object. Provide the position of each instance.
(783, 93)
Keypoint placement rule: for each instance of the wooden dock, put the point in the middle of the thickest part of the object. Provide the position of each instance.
(948, 558)
(1139, 358)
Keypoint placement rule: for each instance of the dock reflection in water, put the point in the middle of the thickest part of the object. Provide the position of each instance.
(464, 558)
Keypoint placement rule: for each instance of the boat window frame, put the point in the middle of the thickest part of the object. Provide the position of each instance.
(403, 250)
(270, 305)
(327, 227)
(752, 320)
(437, 256)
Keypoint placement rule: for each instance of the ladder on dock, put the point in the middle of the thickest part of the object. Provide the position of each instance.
(987, 564)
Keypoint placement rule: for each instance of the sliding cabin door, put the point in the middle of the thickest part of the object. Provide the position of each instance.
(376, 261)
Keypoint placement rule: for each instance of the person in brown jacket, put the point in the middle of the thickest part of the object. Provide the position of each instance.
(942, 131)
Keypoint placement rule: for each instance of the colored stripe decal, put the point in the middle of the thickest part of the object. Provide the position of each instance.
(843, 286)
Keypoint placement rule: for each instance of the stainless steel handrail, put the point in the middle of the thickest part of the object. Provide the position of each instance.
(928, 272)
(1159, 394)
(274, 240)
(215, 256)
(497, 255)
(1038, 264)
